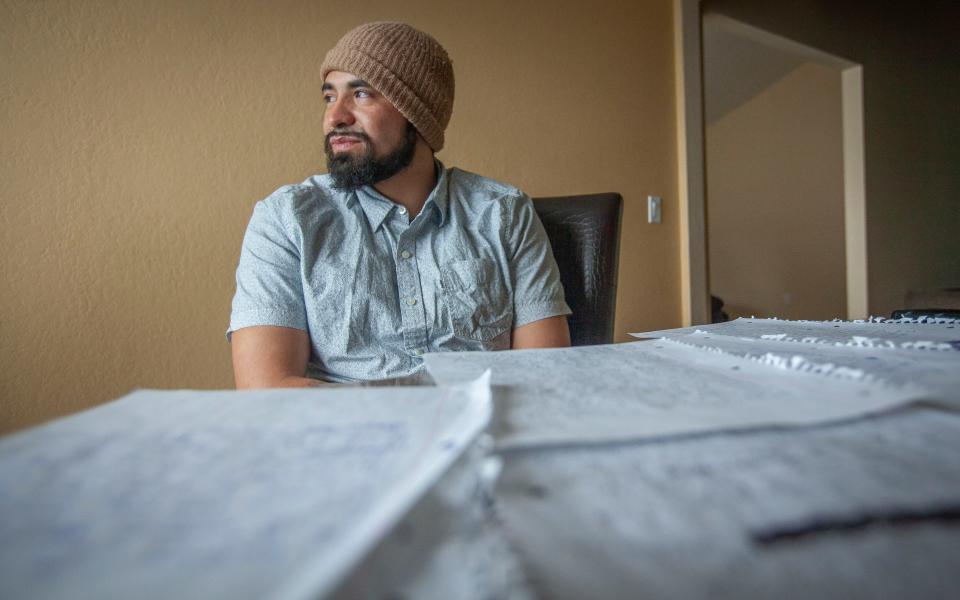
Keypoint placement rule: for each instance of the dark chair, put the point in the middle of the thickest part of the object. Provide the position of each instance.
(584, 232)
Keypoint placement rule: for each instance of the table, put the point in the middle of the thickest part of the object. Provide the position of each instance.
(862, 506)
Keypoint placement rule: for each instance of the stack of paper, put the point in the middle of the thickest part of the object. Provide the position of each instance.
(222, 494)
(753, 458)
(739, 461)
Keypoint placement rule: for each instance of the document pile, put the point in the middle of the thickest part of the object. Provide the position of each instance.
(704, 461)
(188, 494)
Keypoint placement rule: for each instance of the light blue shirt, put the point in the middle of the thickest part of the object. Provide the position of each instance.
(375, 290)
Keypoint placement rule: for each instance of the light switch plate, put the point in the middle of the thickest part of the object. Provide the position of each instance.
(653, 209)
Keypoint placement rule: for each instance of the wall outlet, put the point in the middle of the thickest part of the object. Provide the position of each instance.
(653, 209)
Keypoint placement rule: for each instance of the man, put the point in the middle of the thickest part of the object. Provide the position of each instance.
(355, 274)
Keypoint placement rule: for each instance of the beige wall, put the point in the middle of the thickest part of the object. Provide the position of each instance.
(775, 208)
(911, 123)
(138, 135)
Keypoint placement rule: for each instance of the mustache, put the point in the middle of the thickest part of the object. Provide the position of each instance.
(347, 133)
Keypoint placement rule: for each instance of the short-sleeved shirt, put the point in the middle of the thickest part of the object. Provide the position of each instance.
(375, 290)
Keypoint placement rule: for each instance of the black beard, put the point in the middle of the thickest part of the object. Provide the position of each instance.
(351, 173)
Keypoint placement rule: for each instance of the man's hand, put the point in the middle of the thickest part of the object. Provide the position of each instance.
(271, 357)
(551, 332)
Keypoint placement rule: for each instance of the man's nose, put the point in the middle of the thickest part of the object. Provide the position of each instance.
(338, 115)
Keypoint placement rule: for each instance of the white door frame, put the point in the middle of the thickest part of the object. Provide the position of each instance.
(695, 288)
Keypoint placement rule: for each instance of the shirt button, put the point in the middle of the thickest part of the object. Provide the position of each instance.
(411, 301)
(402, 210)
(405, 254)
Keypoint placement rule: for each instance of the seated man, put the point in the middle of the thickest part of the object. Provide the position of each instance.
(355, 274)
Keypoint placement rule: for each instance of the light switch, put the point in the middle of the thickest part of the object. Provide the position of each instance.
(653, 209)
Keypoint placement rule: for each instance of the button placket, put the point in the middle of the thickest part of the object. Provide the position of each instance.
(412, 311)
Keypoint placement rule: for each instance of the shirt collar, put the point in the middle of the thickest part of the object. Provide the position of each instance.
(378, 207)
(375, 205)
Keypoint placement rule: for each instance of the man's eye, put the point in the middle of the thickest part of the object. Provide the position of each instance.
(363, 94)
(328, 99)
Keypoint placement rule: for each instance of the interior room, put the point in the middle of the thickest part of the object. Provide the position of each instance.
(775, 160)
(139, 136)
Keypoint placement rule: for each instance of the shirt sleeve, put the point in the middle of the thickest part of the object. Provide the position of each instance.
(269, 285)
(537, 291)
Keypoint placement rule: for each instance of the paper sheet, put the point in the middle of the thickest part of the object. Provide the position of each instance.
(649, 389)
(193, 494)
(450, 545)
(943, 334)
(682, 518)
(938, 373)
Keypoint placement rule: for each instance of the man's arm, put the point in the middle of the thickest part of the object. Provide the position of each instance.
(538, 293)
(271, 357)
(551, 332)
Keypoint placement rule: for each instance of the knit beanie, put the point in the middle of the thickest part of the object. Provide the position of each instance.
(407, 66)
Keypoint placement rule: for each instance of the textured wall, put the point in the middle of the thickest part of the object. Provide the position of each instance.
(138, 135)
(911, 124)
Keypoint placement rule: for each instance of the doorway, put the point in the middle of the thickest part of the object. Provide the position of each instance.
(688, 58)
(785, 210)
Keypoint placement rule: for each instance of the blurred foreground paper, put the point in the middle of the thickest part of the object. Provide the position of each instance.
(187, 494)
(650, 389)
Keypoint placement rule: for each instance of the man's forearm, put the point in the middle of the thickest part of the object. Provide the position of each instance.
(291, 382)
(271, 357)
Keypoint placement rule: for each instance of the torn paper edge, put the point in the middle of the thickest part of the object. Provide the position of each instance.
(788, 362)
(873, 320)
(857, 341)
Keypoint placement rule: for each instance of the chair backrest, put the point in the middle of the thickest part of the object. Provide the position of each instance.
(584, 232)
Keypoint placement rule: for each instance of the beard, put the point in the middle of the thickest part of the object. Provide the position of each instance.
(350, 173)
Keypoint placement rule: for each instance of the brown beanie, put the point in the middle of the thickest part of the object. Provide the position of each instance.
(407, 66)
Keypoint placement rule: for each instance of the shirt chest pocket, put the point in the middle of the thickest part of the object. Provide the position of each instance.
(480, 307)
